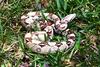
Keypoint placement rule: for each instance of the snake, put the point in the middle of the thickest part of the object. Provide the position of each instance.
(47, 25)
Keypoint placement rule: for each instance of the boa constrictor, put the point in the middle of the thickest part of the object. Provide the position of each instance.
(49, 24)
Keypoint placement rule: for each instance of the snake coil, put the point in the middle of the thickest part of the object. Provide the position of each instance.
(49, 24)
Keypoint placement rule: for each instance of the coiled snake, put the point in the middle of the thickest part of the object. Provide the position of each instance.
(48, 25)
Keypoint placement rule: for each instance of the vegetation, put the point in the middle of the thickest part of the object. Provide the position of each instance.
(85, 53)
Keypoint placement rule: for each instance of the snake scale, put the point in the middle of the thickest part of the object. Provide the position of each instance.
(48, 24)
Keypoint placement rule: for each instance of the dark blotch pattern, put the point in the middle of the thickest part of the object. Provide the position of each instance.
(28, 40)
(42, 44)
(38, 50)
(68, 43)
(58, 44)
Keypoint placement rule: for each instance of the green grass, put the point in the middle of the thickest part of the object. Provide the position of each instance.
(86, 27)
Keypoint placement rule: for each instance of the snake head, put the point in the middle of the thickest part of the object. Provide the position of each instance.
(28, 37)
(27, 21)
(68, 18)
(62, 25)
(49, 30)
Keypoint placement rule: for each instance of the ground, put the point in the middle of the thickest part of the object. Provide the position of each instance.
(86, 25)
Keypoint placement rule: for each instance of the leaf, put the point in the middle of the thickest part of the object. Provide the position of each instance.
(43, 15)
(1, 30)
(59, 15)
(77, 45)
(65, 4)
(21, 43)
(58, 4)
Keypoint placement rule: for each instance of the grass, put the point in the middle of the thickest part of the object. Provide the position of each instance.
(85, 53)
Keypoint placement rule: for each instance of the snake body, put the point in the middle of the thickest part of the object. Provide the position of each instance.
(48, 24)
